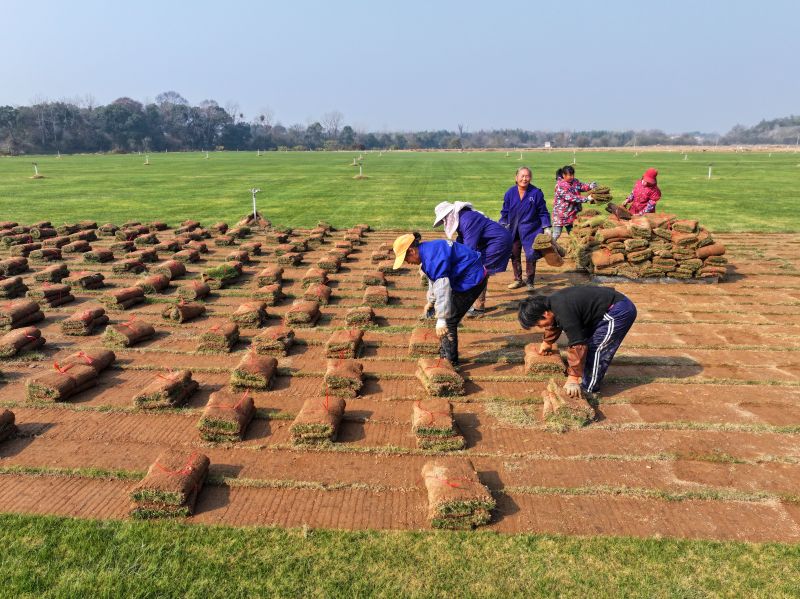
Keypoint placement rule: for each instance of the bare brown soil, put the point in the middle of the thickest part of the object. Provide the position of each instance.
(698, 429)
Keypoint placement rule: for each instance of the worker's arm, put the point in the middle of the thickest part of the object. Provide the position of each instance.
(629, 199)
(655, 195)
(442, 301)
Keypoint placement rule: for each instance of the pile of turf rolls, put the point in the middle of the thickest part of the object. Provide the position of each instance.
(54, 273)
(318, 420)
(219, 338)
(223, 275)
(252, 314)
(254, 371)
(60, 383)
(456, 497)
(601, 194)
(86, 280)
(129, 265)
(12, 287)
(439, 377)
(370, 279)
(330, 263)
(562, 412)
(433, 425)
(183, 311)
(20, 340)
(51, 295)
(359, 316)
(15, 266)
(122, 299)
(314, 276)
(153, 284)
(269, 276)
(423, 342)
(84, 322)
(127, 334)
(19, 313)
(655, 245)
(290, 259)
(343, 378)
(318, 292)
(226, 417)
(194, 290)
(269, 294)
(273, 341)
(376, 296)
(344, 343)
(167, 390)
(303, 313)
(171, 486)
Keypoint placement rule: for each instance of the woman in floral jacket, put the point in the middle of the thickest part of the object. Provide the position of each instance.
(568, 200)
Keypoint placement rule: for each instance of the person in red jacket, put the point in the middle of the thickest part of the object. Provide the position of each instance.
(645, 194)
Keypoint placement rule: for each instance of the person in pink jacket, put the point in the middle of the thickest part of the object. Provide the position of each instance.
(645, 194)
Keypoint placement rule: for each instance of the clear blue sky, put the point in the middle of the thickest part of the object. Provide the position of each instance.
(676, 65)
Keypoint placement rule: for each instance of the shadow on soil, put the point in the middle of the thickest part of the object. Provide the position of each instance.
(25, 435)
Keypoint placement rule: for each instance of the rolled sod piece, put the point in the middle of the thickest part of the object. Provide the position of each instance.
(325, 225)
(226, 417)
(61, 383)
(456, 498)
(543, 243)
(685, 226)
(19, 313)
(172, 269)
(183, 311)
(629, 271)
(715, 249)
(318, 420)
(379, 256)
(684, 240)
(659, 220)
(131, 265)
(194, 290)
(712, 271)
(166, 391)
(632, 245)
(314, 276)
(43, 232)
(269, 294)
(68, 228)
(269, 276)
(340, 254)
(250, 314)
(692, 264)
(149, 256)
(273, 341)
(302, 314)
(153, 284)
(343, 378)
(171, 486)
(715, 261)
(439, 377)
(640, 227)
(147, 239)
(7, 427)
(86, 280)
(200, 246)
(223, 275)
(345, 247)
(122, 299)
(277, 238)
(51, 295)
(314, 241)
(562, 412)
(20, 239)
(99, 359)
(107, 230)
(387, 267)
(290, 259)
(330, 263)
(20, 340)
(284, 248)
(318, 293)
(432, 424)
(359, 316)
(344, 343)
(76, 247)
(127, 334)
(640, 256)
(25, 249)
(52, 274)
(423, 342)
(536, 363)
(353, 238)
(84, 322)
(122, 247)
(157, 225)
(16, 266)
(97, 256)
(298, 245)
(186, 256)
(13, 287)
(254, 371)
(219, 338)
(376, 296)
(219, 227)
(168, 246)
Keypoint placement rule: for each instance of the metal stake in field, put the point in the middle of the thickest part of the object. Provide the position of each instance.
(36, 174)
(259, 153)
(147, 159)
(206, 154)
(254, 191)
(709, 172)
(520, 156)
(59, 154)
(686, 156)
(574, 159)
(506, 154)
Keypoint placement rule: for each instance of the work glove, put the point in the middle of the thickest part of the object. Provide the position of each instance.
(428, 312)
(593, 185)
(441, 329)
(546, 231)
(545, 348)
(573, 390)
(590, 198)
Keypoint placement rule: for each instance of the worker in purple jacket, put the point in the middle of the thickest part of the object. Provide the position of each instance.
(480, 233)
(525, 215)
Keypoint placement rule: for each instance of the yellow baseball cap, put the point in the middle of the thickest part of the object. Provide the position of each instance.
(400, 247)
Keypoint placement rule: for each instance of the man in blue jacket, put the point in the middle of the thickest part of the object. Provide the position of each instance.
(525, 215)
(456, 277)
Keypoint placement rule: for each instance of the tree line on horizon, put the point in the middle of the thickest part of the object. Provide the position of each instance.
(172, 123)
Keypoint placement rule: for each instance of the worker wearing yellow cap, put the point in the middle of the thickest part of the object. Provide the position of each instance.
(456, 277)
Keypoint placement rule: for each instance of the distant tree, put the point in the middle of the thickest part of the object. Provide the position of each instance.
(313, 136)
(331, 121)
(347, 137)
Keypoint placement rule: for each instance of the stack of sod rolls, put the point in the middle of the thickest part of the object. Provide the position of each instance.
(652, 245)
(226, 416)
(171, 486)
(318, 421)
(433, 425)
(456, 497)
(439, 377)
(166, 391)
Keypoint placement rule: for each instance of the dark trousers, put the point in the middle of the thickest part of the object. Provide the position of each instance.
(516, 263)
(605, 341)
(462, 300)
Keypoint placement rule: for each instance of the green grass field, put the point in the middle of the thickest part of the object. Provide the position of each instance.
(747, 192)
(58, 557)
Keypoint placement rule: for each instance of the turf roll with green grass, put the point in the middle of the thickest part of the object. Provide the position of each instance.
(171, 486)
(457, 500)
(183, 311)
(433, 425)
(254, 371)
(222, 275)
(20, 340)
(343, 378)
(226, 416)
(19, 313)
(218, 338)
(439, 377)
(273, 341)
(344, 343)
(318, 420)
(122, 299)
(168, 390)
(84, 321)
(302, 314)
(561, 412)
(127, 334)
